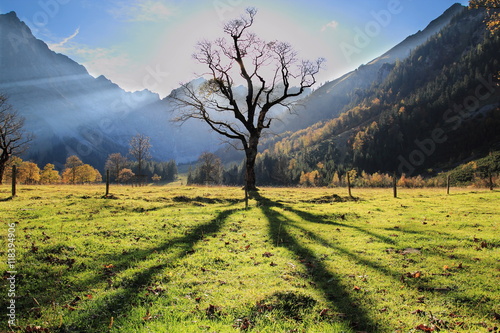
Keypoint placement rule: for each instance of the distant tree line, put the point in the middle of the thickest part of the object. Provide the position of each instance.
(75, 171)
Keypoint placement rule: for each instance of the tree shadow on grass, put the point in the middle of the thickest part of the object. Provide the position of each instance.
(323, 278)
(318, 219)
(125, 296)
(280, 229)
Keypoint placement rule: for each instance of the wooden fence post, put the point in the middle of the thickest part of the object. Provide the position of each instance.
(349, 184)
(107, 182)
(448, 184)
(490, 175)
(14, 180)
(394, 185)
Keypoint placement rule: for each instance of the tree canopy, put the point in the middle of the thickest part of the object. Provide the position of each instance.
(270, 72)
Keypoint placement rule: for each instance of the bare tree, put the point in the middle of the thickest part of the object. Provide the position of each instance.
(13, 139)
(115, 163)
(139, 149)
(270, 72)
(208, 171)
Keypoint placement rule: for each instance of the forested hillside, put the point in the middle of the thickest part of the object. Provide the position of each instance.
(435, 109)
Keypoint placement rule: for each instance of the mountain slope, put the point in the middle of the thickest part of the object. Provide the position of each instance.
(433, 110)
(332, 98)
(71, 112)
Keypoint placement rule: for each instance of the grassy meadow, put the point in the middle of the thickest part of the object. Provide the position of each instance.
(192, 259)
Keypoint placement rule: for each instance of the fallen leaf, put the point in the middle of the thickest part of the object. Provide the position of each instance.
(147, 317)
(244, 324)
(414, 275)
(75, 301)
(424, 328)
(212, 311)
(324, 312)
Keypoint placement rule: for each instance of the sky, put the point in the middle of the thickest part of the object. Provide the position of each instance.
(148, 44)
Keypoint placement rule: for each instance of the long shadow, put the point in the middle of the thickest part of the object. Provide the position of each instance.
(122, 301)
(368, 263)
(279, 228)
(317, 219)
(326, 281)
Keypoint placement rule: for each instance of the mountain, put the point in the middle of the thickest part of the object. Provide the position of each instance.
(332, 98)
(71, 112)
(360, 120)
(431, 111)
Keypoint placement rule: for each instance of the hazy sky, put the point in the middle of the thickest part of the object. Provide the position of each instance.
(148, 43)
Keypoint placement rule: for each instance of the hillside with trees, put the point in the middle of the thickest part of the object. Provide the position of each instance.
(435, 110)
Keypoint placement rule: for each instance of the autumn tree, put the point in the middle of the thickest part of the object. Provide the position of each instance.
(115, 163)
(87, 174)
(125, 175)
(81, 174)
(270, 73)
(29, 173)
(72, 163)
(493, 9)
(13, 138)
(139, 149)
(14, 160)
(49, 175)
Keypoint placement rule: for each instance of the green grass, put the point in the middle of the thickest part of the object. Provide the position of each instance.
(192, 259)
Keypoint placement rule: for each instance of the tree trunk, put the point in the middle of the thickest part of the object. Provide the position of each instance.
(2, 170)
(251, 156)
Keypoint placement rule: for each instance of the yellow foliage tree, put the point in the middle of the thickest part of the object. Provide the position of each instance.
(49, 175)
(336, 179)
(493, 9)
(69, 174)
(81, 174)
(28, 173)
(7, 176)
(125, 175)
